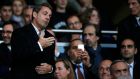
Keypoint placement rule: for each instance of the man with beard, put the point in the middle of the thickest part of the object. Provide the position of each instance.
(80, 60)
(128, 52)
(90, 37)
(120, 70)
(5, 50)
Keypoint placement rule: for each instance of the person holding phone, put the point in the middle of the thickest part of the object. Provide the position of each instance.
(79, 57)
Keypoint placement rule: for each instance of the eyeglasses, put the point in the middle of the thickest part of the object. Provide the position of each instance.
(127, 46)
(75, 23)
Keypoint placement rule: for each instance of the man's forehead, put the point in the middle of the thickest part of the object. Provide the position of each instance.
(128, 41)
(89, 29)
(76, 42)
(6, 7)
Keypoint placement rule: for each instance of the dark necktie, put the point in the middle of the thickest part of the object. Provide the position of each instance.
(80, 75)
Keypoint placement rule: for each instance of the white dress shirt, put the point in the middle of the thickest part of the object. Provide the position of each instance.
(131, 67)
(37, 31)
(138, 20)
(81, 69)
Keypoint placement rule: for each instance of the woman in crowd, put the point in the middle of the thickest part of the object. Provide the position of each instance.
(64, 69)
(18, 6)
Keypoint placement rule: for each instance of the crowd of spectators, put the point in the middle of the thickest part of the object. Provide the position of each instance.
(30, 47)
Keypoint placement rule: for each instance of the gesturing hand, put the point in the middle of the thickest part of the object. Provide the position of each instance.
(45, 42)
(43, 68)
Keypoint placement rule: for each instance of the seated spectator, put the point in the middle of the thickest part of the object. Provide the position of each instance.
(6, 12)
(104, 72)
(5, 50)
(27, 14)
(128, 52)
(91, 16)
(64, 69)
(18, 6)
(80, 60)
(90, 38)
(74, 23)
(120, 70)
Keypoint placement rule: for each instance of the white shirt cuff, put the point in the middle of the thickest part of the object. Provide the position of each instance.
(57, 54)
(40, 46)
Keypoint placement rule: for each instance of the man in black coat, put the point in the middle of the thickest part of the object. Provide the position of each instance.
(33, 47)
(80, 57)
(5, 50)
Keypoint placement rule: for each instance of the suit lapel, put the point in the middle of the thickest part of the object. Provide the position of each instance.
(32, 33)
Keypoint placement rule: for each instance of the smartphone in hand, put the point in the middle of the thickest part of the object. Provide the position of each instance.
(81, 46)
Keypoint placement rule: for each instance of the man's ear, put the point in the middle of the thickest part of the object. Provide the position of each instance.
(34, 14)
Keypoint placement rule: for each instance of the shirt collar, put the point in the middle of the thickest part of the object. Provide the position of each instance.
(37, 31)
(131, 64)
(137, 18)
(80, 64)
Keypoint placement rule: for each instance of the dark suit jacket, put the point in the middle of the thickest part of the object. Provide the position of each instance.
(136, 70)
(95, 57)
(88, 74)
(27, 55)
(5, 60)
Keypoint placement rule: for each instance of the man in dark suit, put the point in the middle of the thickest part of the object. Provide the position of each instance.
(5, 50)
(79, 57)
(136, 68)
(32, 49)
(90, 37)
(128, 51)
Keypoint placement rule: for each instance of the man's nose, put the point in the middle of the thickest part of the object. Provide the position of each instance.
(122, 73)
(87, 37)
(105, 71)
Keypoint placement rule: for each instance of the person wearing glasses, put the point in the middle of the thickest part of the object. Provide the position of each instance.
(5, 50)
(74, 23)
(128, 52)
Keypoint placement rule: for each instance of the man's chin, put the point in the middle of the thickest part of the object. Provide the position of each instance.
(7, 42)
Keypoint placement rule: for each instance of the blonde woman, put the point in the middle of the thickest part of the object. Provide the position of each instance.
(64, 69)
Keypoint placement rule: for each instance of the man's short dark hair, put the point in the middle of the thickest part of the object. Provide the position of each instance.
(37, 8)
(15, 26)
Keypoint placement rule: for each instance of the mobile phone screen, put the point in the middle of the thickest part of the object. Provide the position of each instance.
(81, 46)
